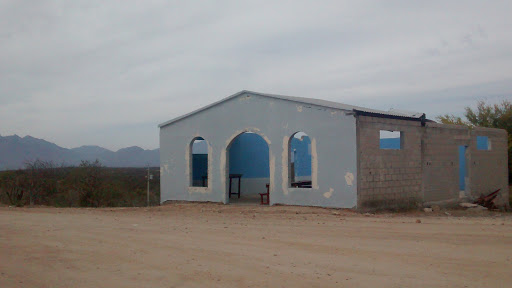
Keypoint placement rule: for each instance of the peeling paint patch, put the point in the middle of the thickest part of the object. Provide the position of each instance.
(284, 166)
(210, 167)
(266, 139)
(349, 178)
(202, 190)
(248, 129)
(188, 163)
(299, 108)
(223, 176)
(314, 164)
(272, 170)
(329, 193)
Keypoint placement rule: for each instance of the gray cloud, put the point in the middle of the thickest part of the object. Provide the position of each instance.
(106, 73)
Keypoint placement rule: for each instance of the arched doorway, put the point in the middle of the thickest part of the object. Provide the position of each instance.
(248, 168)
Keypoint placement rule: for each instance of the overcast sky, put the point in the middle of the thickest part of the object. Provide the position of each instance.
(108, 72)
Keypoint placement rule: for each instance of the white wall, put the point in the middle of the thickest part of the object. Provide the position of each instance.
(332, 133)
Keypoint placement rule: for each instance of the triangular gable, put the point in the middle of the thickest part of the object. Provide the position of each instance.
(307, 101)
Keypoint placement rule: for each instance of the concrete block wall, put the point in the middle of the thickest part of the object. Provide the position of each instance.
(427, 167)
(488, 169)
(388, 178)
(441, 161)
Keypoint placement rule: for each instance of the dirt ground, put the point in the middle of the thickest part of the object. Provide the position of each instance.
(212, 245)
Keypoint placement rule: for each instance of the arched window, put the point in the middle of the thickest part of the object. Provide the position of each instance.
(199, 162)
(299, 161)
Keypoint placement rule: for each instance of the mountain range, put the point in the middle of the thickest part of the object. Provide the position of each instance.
(16, 151)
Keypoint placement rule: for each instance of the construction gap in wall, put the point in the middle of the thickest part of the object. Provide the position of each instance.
(199, 162)
(391, 140)
(483, 143)
(299, 161)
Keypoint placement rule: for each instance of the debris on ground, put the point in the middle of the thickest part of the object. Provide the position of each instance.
(488, 201)
(478, 208)
(428, 210)
(468, 205)
(473, 207)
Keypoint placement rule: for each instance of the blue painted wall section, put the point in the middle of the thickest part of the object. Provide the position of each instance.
(301, 150)
(199, 166)
(248, 155)
(390, 143)
(482, 143)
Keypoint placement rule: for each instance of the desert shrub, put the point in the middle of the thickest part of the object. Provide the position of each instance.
(12, 186)
(87, 185)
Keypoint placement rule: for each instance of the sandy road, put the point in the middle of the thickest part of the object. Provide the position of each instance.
(210, 245)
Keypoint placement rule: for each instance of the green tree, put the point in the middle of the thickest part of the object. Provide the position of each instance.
(487, 115)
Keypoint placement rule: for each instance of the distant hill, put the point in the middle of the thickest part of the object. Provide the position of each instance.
(15, 151)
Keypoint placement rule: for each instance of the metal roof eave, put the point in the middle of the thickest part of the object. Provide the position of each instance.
(421, 118)
(315, 102)
(279, 97)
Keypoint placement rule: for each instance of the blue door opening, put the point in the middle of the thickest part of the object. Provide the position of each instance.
(462, 168)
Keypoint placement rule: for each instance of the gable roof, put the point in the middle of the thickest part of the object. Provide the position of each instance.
(311, 101)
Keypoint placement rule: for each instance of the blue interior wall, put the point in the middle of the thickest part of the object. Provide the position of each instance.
(482, 143)
(301, 150)
(248, 155)
(390, 143)
(199, 166)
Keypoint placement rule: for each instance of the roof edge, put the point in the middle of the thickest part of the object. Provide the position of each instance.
(421, 118)
(300, 100)
(201, 109)
(273, 96)
(308, 101)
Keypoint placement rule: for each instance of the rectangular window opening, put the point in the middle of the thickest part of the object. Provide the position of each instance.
(483, 143)
(392, 140)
